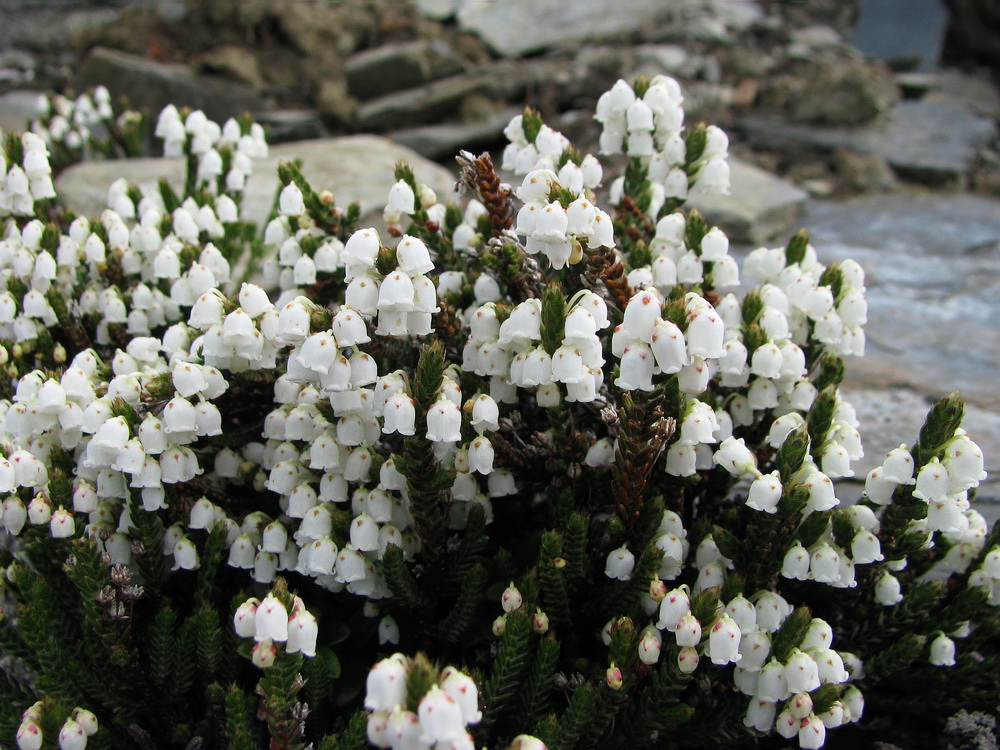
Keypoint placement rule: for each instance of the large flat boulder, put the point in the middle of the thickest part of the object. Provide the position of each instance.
(515, 29)
(932, 266)
(17, 108)
(394, 67)
(355, 168)
(760, 206)
(926, 141)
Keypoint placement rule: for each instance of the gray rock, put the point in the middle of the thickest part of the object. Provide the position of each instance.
(230, 61)
(286, 125)
(666, 58)
(50, 26)
(439, 10)
(932, 264)
(815, 37)
(907, 34)
(834, 86)
(17, 108)
(926, 141)
(393, 67)
(444, 141)
(356, 168)
(433, 102)
(16, 66)
(151, 85)
(975, 92)
(759, 207)
(521, 28)
(862, 173)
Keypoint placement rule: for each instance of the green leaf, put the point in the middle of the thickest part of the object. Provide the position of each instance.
(791, 633)
(795, 251)
(792, 453)
(820, 419)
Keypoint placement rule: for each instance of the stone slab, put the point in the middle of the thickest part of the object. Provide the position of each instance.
(522, 28)
(17, 109)
(150, 85)
(928, 141)
(354, 168)
(932, 266)
(427, 104)
(443, 142)
(905, 32)
(759, 207)
(394, 67)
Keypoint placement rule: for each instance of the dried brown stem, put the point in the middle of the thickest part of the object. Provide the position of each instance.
(603, 264)
(480, 176)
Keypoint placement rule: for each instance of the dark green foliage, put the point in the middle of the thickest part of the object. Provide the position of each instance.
(553, 317)
(428, 482)
(241, 729)
(792, 453)
(795, 250)
(942, 420)
(694, 142)
(820, 419)
(509, 668)
(401, 582)
(536, 695)
(552, 577)
(896, 657)
(695, 231)
(457, 621)
(791, 633)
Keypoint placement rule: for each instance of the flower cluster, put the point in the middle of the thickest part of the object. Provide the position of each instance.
(25, 174)
(73, 735)
(224, 154)
(579, 413)
(646, 122)
(269, 624)
(438, 718)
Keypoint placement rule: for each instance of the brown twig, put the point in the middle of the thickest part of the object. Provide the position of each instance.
(480, 176)
(603, 265)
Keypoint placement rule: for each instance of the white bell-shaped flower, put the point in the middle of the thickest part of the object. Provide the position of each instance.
(724, 640)
(271, 620)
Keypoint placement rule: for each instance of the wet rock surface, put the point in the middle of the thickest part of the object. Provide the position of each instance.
(932, 265)
(932, 142)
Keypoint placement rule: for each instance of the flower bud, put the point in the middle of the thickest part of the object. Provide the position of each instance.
(62, 525)
(540, 622)
(29, 735)
(511, 599)
(650, 645)
(72, 736)
(614, 678)
(657, 589)
(264, 654)
(687, 659)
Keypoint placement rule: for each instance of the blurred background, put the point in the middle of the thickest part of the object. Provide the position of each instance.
(871, 122)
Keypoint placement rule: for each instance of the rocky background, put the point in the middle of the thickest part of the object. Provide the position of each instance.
(872, 122)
